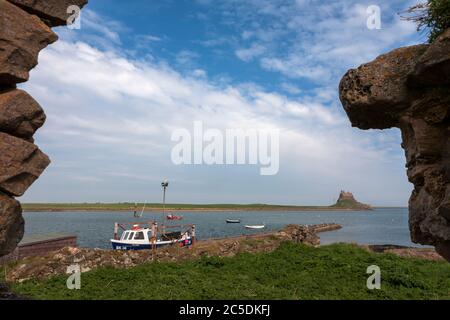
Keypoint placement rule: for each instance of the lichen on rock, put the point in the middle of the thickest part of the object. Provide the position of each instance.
(408, 88)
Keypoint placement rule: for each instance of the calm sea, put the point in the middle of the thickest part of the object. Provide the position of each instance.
(94, 229)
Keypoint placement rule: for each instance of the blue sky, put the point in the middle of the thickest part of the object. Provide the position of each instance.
(114, 91)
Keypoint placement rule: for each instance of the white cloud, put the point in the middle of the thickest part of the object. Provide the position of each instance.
(149, 38)
(110, 116)
(312, 39)
(249, 54)
(107, 114)
(290, 88)
(199, 73)
(187, 57)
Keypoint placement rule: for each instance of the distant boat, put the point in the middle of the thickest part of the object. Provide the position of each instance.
(233, 221)
(262, 226)
(173, 217)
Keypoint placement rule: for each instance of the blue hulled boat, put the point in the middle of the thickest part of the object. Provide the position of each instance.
(152, 236)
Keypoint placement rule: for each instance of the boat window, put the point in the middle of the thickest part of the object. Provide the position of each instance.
(131, 236)
(149, 235)
(139, 236)
(125, 236)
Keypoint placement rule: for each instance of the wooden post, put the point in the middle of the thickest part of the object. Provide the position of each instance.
(193, 234)
(116, 231)
(154, 235)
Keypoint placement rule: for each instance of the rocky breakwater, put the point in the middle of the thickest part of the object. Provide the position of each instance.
(409, 88)
(24, 32)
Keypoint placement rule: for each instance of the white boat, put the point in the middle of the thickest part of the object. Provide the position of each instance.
(262, 226)
(152, 236)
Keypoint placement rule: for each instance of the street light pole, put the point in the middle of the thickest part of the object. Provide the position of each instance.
(164, 184)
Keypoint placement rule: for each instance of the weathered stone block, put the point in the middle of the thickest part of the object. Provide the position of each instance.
(22, 36)
(21, 163)
(20, 114)
(11, 224)
(52, 12)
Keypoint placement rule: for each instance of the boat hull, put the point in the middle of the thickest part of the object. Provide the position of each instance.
(118, 245)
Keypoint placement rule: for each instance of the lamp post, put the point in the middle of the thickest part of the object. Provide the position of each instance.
(164, 184)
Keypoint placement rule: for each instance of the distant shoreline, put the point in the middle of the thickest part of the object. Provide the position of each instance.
(125, 207)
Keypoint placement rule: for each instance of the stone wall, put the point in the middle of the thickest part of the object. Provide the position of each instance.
(25, 29)
(39, 248)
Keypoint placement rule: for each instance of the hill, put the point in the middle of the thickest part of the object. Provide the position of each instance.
(347, 201)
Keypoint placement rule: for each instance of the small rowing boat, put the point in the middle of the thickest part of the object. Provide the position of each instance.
(255, 226)
(233, 221)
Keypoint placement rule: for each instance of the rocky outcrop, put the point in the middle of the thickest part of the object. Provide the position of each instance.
(346, 200)
(24, 32)
(11, 224)
(407, 252)
(53, 12)
(22, 36)
(20, 114)
(21, 163)
(409, 88)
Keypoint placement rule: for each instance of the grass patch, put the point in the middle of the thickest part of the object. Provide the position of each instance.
(293, 271)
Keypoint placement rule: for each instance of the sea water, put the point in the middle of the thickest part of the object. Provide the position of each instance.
(95, 229)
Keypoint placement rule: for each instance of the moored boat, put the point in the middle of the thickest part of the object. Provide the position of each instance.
(173, 217)
(262, 226)
(151, 236)
(233, 221)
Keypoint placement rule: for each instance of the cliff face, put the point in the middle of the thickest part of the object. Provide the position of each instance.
(409, 88)
(24, 32)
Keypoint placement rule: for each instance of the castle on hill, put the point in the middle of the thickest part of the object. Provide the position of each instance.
(347, 200)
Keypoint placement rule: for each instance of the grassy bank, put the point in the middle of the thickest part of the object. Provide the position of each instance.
(39, 207)
(292, 271)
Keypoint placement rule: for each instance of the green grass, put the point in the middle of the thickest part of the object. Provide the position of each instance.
(158, 206)
(293, 271)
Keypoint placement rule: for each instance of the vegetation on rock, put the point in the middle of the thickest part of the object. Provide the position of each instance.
(433, 16)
